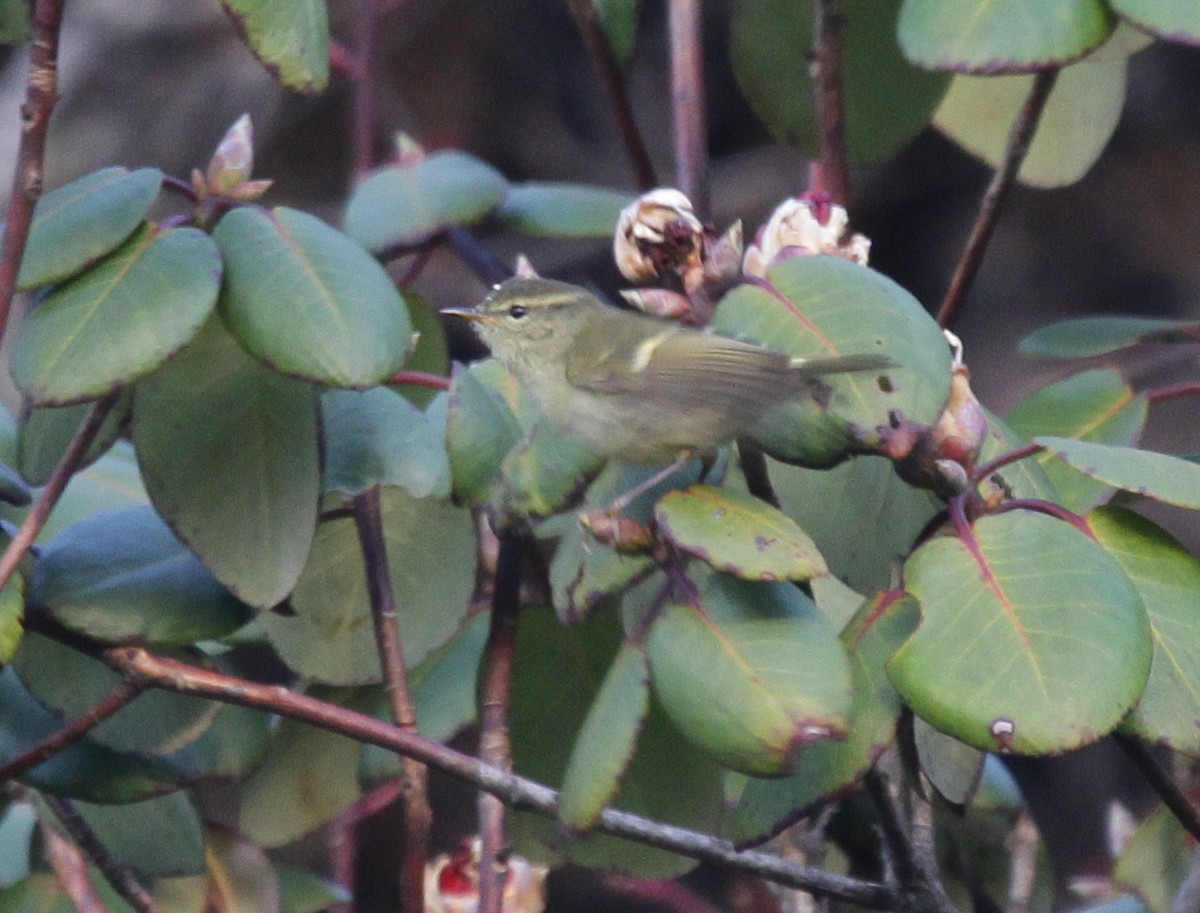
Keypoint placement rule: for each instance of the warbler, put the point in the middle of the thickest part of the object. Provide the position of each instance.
(632, 387)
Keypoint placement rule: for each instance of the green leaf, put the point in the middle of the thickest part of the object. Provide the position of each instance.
(544, 474)
(863, 494)
(80, 222)
(13, 489)
(241, 876)
(329, 635)
(750, 672)
(825, 306)
(402, 205)
(16, 838)
(619, 19)
(1093, 405)
(738, 533)
(230, 456)
(1032, 639)
(290, 37)
(481, 427)
(377, 437)
(157, 837)
(1076, 124)
(46, 432)
(14, 22)
(563, 210)
(1168, 580)
(121, 576)
(309, 775)
(953, 767)
(69, 683)
(112, 481)
(119, 320)
(1156, 861)
(1087, 336)
(305, 892)
(85, 770)
(1022, 479)
(430, 355)
(1171, 20)
(309, 301)
(1159, 476)
(607, 739)
(766, 806)
(1001, 36)
(557, 673)
(888, 101)
(12, 611)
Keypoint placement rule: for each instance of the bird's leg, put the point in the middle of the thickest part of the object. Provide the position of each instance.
(645, 485)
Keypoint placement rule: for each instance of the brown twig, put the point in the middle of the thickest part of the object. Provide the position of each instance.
(1019, 138)
(368, 519)
(71, 871)
(494, 744)
(1172, 797)
(70, 462)
(828, 27)
(115, 872)
(72, 733)
(140, 666)
(1183, 390)
(420, 379)
(41, 95)
(599, 52)
(688, 117)
(362, 136)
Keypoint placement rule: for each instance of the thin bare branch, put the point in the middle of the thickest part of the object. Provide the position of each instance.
(1019, 139)
(41, 95)
(70, 462)
(140, 666)
(828, 27)
(362, 133)
(599, 52)
(72, 733)
(1171, 795)
(115, 872)
(368, 519)
(688, 116)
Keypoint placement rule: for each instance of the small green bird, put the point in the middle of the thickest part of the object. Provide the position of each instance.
(636, 388)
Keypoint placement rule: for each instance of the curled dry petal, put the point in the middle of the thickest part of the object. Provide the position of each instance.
(658, 233)
(808, 224)
(452, 882)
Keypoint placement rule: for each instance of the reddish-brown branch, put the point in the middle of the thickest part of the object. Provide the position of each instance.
(68, 735)
(600, 54)
(688, 118)
(41, 95)
(828, 24)
(420, 379)
(494, 744)
(368, 519)
(1005, 459)
(1019, 138)
(70, 462)
(362, 138)
(115, 872)
(71, 871)
(1184, 390)
(139, 666)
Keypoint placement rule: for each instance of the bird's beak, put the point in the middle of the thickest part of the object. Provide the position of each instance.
(472, 314)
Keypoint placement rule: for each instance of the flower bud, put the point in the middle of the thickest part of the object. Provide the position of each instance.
(452, 883)
(808, 224)
(660, 302)
(658, 233)
(233, 160)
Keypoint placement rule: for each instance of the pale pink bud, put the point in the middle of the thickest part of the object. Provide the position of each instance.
(233, 160)
(658, 233)
(660, 302)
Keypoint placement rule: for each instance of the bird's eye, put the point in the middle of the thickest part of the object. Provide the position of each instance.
(517, 311)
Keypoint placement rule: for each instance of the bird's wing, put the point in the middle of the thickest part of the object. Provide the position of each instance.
(677, 365)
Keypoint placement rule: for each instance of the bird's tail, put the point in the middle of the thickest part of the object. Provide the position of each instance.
(840, 364)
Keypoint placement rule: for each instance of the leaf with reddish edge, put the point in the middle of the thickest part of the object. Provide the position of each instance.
(1084, 337)
(1171, 20)
(1158, 476)
(1032, 638)
(290, 37)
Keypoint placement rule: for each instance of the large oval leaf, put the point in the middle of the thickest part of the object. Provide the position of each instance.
(751, 672)
(606, 740)
(45, 433)
(409, 203)
(121, 576)
(309, 301)
(1001, 36)
(1077, 123)
(159, 837)
(290, 37)
(1032, 638)
(229, 452)
(824, 306)
(1091, 406)
(82, 221)
(1153, 475)
(766, 806)
(1168, 580)
(738, 534)
(1087, 336)
(563, 210)
(118, 321)
(329, 635)
(888, 100)
(1172, 20)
